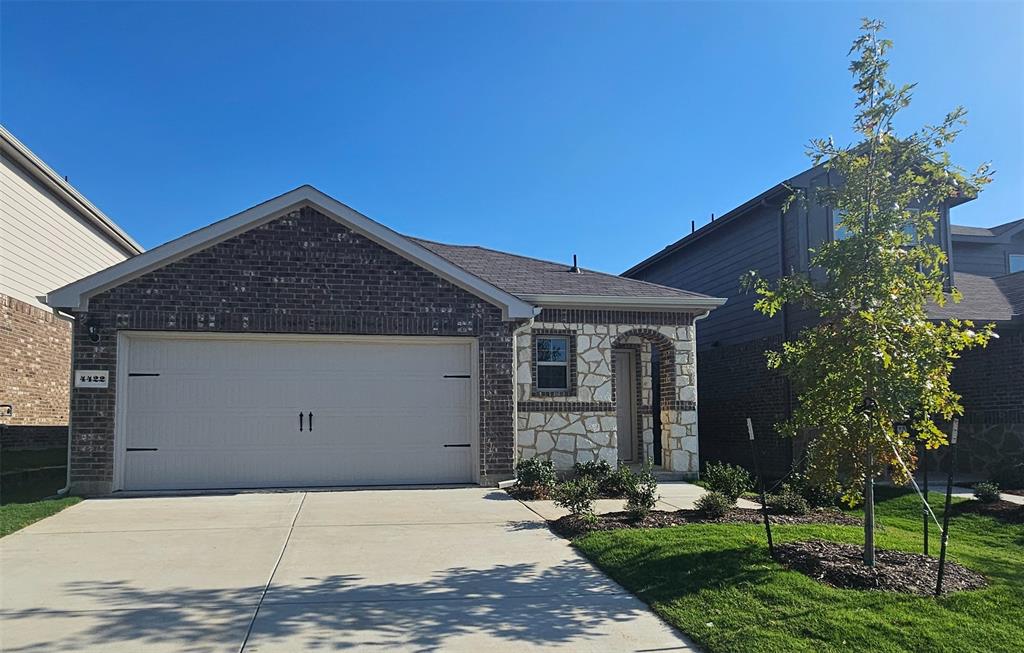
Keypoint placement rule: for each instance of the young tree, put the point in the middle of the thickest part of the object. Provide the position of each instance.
(874, 359)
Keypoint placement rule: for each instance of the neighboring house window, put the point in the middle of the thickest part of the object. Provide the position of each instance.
(1016, 262)
(911, 230)
(552, 362)
(838, 230)
(842, 233)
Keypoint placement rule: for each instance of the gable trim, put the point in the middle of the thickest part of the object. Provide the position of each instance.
(75, 296)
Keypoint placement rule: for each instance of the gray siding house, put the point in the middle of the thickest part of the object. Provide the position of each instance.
(991, 251)
(735, 384)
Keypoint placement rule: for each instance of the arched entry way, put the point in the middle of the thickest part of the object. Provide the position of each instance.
(644, 374)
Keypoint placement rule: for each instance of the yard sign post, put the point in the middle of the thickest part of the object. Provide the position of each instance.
(945, 512)
(924, 480)
(760, 483)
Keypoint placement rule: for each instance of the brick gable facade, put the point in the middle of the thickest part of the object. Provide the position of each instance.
(302, 273)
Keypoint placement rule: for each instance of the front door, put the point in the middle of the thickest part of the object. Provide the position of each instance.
(625, 403)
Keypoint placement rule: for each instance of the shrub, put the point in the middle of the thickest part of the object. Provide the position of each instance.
(1010, 477)
(788, 503)
(642, 494)
(987, 492)
(714, 504)
(597, 470)
(536, 473)
(817, 495)
(619, 483)
(730, 480)
(577, 496)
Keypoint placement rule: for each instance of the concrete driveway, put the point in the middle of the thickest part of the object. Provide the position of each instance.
(463, 569)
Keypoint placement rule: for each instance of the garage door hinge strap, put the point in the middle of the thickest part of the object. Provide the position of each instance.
(140, 448)
(455, 445)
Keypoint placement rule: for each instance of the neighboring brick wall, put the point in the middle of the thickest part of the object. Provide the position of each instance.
(303, 273)
(33, 437)
(35, 359)
(734, 384)
(991, 383)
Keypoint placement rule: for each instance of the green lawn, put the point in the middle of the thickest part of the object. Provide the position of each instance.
(716, 583)
(15, 516)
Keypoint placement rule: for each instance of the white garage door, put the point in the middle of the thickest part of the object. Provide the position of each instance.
(269, 412)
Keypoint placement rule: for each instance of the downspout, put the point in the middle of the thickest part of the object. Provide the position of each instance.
(515, 386)
(696, 391)
(784, 319)
(71, 387)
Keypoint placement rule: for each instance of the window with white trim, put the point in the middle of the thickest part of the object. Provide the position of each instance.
(552, 356)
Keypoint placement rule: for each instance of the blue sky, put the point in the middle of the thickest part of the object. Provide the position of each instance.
(544, 129)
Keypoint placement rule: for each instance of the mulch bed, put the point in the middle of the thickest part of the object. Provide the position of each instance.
(842, 566)
(570, 527)
(1004, 511)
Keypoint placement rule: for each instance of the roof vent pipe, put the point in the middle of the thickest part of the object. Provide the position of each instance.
(575, 269)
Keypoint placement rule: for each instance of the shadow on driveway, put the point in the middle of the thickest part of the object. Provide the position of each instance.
(516, 603)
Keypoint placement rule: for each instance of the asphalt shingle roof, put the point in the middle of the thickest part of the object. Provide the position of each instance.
(522, 275)
(966, 230)
(985, 299)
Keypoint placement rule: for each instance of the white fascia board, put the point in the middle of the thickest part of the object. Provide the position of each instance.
(75, 296)
(687, 304)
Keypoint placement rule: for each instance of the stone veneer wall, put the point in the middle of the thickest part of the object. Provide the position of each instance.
(581, 425)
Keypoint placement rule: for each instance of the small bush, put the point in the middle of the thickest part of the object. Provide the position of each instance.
(788, 503)
(818, 495)
(986, 492)
(714, 504)
(730, 480)
(536, 473)
(597, 470)
(619, 483)
(577, 496)
(642, 494)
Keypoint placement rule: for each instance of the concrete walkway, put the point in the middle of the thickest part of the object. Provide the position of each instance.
(464, 569)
